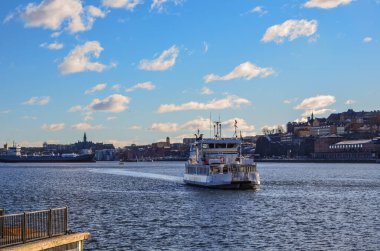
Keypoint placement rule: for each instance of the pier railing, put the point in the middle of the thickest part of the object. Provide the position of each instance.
(30, 226)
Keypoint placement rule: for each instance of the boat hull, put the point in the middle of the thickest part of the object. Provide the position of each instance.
(222, 181)
(47, 159)
(234, 185)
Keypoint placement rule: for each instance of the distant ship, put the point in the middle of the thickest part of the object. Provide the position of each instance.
(219, 163)
(13, 155)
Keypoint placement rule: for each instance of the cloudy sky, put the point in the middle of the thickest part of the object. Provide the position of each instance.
(134, 71)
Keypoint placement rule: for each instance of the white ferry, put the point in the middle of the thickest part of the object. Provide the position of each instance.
(219, 163)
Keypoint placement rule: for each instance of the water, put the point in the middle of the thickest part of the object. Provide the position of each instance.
(145, 206)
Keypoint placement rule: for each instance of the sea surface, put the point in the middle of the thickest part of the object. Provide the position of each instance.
(145, 206)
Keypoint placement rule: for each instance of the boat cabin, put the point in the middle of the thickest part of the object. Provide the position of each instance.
(213, 151)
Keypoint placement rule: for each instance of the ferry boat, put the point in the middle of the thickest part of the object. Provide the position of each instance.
(13, 155)
(218, 163)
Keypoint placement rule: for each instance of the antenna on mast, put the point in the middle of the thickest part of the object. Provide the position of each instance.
(220, 128)
(235, 126)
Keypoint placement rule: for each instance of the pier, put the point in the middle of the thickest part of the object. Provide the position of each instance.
(39, 230)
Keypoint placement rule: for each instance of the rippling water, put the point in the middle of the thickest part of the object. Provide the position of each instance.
(145, 206)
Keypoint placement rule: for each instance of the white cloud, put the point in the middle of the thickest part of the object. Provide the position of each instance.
(350, 102)
(55, 34)
(121, 143)
(260, 10)
(87, 116)
(273, 127)
(9, 17)
(37, 101)
(111, 118)
(242, 125)
(113, 103)
(195, 124)
(165, 61)
(96, 12)
(246, 70)
(78, 59)
(96, 88)
(317, 105)
(135, 127)
(53, 127)
(53, 14)
(76, 108)
(179, 138)
(289, 101)
(230, 101)
(205, 47)
(5, 111)
(52, 46)
(159, 4)
(146, 86)
(44, 100)
(206, 91)
(308, 113)
(164, 127)
(116, 87)
(36, 143)
(326, 4)
(367, 40)
(317, 102)
(192, 125)
(290, 29)
(86, 126)
(300, 120)
(128, 4)
(203, 124)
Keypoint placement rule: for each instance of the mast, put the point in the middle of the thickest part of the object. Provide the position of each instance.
(210, 126)
(235, 126)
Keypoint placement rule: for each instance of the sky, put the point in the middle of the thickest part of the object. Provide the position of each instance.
(134, 72)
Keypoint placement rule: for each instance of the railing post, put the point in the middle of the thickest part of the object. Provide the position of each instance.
(1, 223)
(23, 229)
(66, 220)
(50, 222)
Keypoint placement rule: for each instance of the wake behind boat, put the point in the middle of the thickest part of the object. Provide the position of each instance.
(13, 155)
(219, 163)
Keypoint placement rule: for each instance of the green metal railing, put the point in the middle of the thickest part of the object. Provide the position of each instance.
(30, 226)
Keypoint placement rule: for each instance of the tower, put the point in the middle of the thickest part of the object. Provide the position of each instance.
(85, 138)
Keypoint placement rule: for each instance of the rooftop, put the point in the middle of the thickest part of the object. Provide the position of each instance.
(353, 142)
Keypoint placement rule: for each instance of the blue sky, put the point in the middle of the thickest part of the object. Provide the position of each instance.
(132, 71)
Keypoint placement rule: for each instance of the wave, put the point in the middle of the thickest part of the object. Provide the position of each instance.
(139, 174)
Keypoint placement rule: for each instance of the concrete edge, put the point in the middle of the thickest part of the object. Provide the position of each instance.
(49, 242)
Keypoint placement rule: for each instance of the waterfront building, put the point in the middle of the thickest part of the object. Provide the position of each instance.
(323, 130)
(76, 147)
(188, 141)
(105, 155)
(351, 150)
(322, 144)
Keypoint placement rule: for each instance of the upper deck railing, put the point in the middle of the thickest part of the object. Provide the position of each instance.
(30, 226)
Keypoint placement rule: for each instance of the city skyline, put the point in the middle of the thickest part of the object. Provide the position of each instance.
(128, 71)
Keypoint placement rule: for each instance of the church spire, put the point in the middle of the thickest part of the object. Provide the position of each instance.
(85, 138)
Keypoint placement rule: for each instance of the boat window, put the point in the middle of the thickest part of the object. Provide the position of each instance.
(231, 145)
(220, 145)
(205, 146)
(212, 145)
